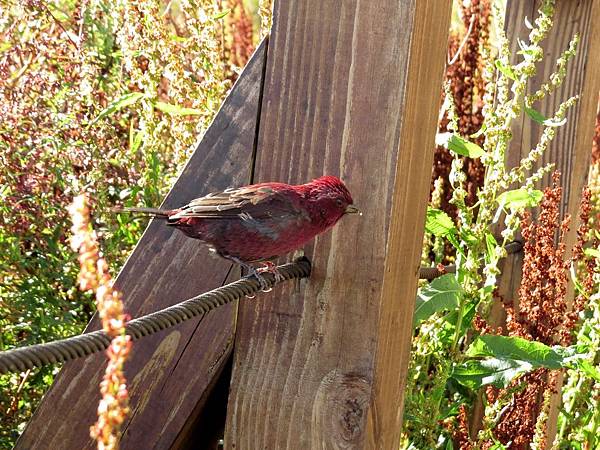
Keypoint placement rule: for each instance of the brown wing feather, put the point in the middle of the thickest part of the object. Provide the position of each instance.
(230, 202)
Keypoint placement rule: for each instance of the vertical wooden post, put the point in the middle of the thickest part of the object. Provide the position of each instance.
(352, 89)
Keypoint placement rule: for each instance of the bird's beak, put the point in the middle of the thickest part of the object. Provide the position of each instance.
(351, 209)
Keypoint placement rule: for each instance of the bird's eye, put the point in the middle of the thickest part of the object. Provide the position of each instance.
(339, 202)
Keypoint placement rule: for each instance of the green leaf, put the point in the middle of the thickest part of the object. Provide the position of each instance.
(498, 372)
(520, 198)
(534, 353)
(490, 246)
(469, 237)
(587, 368)
(439, 223)
(441, 294)
(592, 252)
(459, 145)
(221, 14)
(506, 354)
(119, 103)
(506, 70)
(536, 116)
(175, 110)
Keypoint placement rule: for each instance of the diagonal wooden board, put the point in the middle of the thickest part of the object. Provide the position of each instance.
(171, 373)
(351, 89)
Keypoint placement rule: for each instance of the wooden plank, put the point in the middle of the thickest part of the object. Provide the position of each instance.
(171, 373)
(571, 17)
(571, 149)
(352, 89)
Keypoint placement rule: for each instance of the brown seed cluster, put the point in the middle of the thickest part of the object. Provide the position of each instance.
(542, 313)
(584, 265)
(460, 430)
(114, 404)
(542, 306)
(467, 87)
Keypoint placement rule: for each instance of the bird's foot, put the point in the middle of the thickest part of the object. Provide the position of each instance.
(254, 273)
(270, 267)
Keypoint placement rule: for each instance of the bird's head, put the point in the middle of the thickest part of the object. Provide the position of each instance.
(330, 200)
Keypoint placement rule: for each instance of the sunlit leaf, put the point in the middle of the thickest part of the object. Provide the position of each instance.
(439, 223)
(221, 14)
(490, 246)
(555, 122)
(520, 198)
(439, 295)
(506, 70)
(175, 110)
(459, 145)
(477, 373)
(592, 252)
(512, 347)
(119, 103)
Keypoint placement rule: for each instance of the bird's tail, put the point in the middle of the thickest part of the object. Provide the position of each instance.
(154, 212)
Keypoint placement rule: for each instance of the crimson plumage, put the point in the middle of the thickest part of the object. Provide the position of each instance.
(261, 221)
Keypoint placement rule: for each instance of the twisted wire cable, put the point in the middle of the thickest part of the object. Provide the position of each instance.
(22, 359)
(429, 273)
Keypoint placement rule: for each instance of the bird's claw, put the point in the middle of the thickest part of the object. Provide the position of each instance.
(264, 284)
(270, 267)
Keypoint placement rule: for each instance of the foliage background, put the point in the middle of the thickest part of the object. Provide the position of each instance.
(102, 97)
(109, 98)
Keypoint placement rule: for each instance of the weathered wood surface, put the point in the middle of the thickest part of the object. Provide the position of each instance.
(171, 373)
(352, 89)
(571, 148)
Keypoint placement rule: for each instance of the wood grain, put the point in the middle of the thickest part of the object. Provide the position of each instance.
(571, 17)
(351, 89)
(571, 148)
(171, 373)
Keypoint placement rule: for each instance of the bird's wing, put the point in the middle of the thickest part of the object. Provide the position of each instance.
(249, 201)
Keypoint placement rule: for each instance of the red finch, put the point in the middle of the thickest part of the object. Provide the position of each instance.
(262, 221)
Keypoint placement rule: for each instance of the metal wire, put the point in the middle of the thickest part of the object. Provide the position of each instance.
(429, 273)
(22, 359)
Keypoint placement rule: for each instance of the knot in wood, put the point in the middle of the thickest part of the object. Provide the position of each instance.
(340, 408)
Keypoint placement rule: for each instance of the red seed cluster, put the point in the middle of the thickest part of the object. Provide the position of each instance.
(542, 305)
(467, 89)
(518, 423)
(460, 431)
(585, 266)
(241, 32)
(542, 314)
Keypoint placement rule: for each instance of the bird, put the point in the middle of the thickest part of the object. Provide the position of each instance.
(260, 222)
